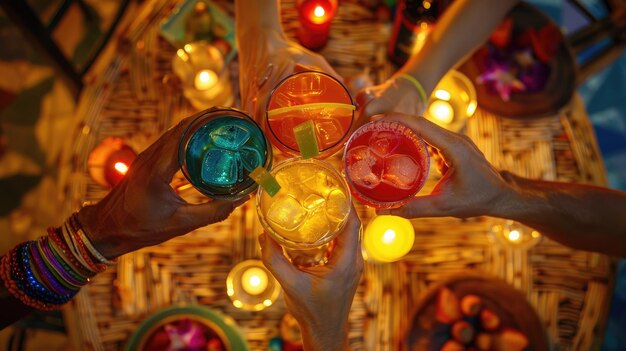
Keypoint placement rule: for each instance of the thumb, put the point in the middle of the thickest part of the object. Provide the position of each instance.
(199, 215)
(274, 259)
(421, 206)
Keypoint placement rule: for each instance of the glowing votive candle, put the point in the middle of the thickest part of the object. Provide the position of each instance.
(205, 80)
(441, 111)
(109, 161)
(254, 281)
(251, 287)
(388, 238)
(315, 18)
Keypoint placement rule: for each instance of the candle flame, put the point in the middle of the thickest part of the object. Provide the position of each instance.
(319, 11)
(442, 95)
(121, 167)
(205, 80)
(441, 111)
(514, 235)
(389, 236)
(255, 280)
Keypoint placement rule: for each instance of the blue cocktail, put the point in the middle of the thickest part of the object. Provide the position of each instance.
(218, 151)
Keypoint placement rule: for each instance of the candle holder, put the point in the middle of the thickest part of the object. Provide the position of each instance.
(452, 102)
(388, 238)
(204, 75)
(251, 287)
(109, 161)
(512, 234)
(315, 17)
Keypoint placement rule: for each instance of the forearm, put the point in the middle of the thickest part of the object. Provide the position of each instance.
(580, 216)
(464, 26)
(257, 14)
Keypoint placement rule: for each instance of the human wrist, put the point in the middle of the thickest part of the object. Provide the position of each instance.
(87, 218)
(324, 338)
(515, 198)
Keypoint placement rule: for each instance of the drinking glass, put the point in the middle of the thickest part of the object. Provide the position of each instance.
(308, 212)
(386, 164)
(307, 96)
(218, 151)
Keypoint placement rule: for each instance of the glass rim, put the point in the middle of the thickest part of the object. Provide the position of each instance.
(290, 244)
(186, 136)
(297, 151)
(369, 201)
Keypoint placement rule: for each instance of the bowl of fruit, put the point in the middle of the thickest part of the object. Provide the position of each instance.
(475, 312)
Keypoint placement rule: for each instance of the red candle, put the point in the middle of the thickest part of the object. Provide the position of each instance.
(108, 162)
(315, 18)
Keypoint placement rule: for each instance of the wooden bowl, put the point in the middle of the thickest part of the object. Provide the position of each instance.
(507, 302)
(558, 89)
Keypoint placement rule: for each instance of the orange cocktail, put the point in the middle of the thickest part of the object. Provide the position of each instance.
(311, 96)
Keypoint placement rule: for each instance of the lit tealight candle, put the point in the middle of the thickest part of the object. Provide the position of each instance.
(251, 287)
(205, 80)
(441, 111)
(254, 281)
(109, 161)
(388, 238)
(121, 167)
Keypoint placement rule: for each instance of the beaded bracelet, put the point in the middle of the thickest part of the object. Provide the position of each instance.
(58, 266)
(79, 229)
(417, 85)
(59, 245)
(75, 249)
(47, 273)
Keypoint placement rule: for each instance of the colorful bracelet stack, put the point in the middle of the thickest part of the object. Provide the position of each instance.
(46, 273)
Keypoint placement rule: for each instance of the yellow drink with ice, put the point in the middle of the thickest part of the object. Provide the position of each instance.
(308, 212)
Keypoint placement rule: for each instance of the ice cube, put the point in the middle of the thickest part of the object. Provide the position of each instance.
(221, 167)
(401, 171)
(364, 167)
(291, 185)
(313, 201)
(229, 137)
(305, 85)
(337, 205)
(281, 99)
(314, 181)
(329, 131)
(286, 213)
(315, 226)
(250, 158)
(384, 143)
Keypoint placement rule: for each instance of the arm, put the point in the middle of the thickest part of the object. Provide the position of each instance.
(142, 210)
(320, 297)
(580, 216)
(464, 26)
(267, 55)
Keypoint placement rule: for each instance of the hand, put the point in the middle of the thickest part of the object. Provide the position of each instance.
(470, 185)
(394, 95)
(320, 297)
(143, 209)
(266, 57)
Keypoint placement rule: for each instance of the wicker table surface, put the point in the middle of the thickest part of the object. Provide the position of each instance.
(569, 289)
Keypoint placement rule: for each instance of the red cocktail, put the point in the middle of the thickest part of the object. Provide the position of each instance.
(386, 164)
